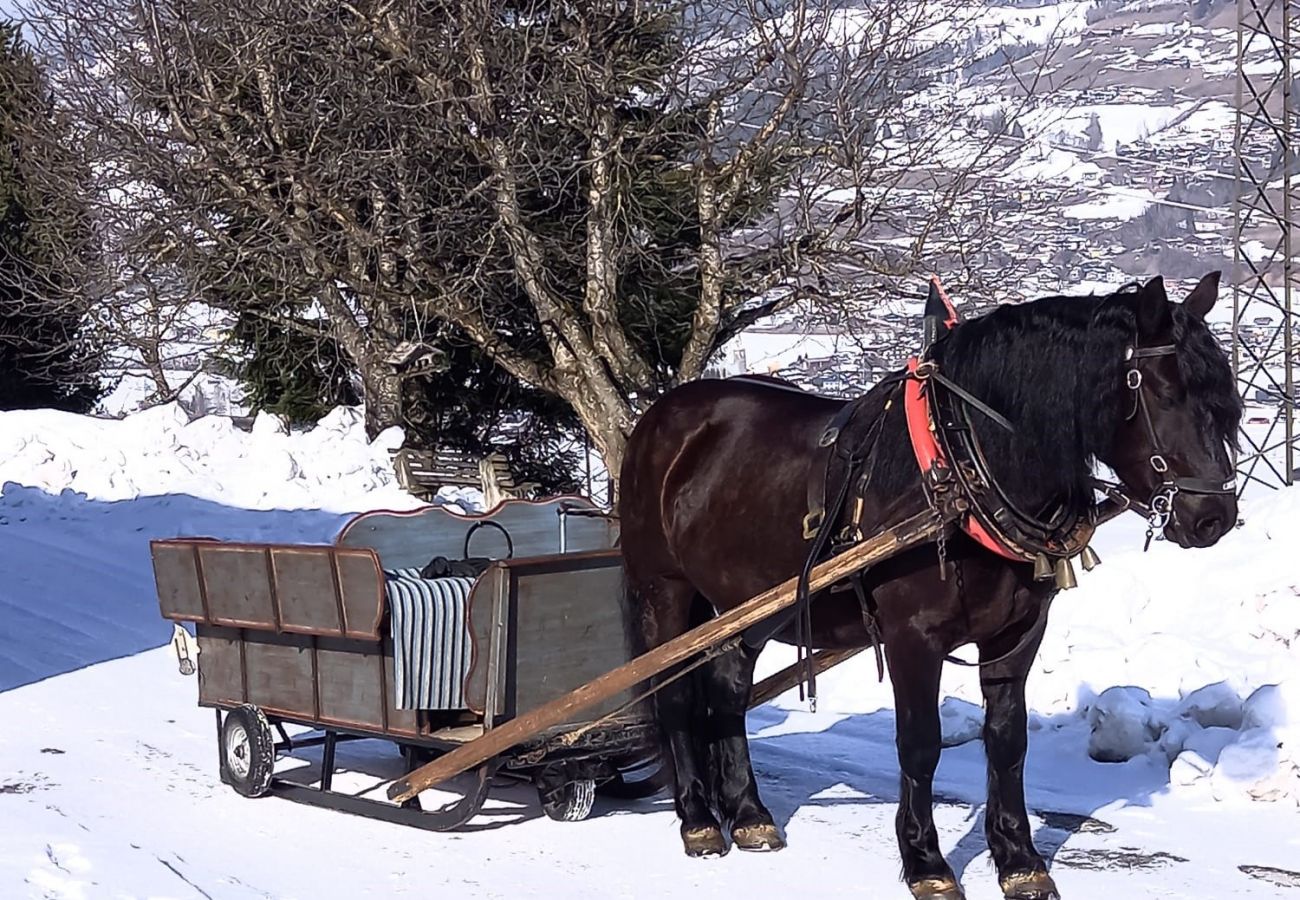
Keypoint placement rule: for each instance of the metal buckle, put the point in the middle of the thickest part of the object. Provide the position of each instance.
(811, 523)
(1158, 463)
(1133, 379)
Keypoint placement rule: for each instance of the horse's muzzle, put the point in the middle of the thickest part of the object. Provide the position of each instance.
(1200, 520)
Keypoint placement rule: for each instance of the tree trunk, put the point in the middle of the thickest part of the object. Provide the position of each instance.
(607, 423)
(383, 398)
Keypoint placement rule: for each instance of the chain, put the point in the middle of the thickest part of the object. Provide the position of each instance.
(942, 544)
(1162, 507)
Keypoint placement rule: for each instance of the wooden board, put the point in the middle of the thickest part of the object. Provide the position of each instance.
(283, 588)
(543, 626)
(410, 539)
(311, 679)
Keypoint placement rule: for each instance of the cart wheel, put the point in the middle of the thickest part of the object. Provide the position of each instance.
(247, 751)
(571, 801)
(623, 787)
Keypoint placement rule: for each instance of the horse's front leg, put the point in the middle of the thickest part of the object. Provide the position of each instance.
(914, 669)
(1021, 870)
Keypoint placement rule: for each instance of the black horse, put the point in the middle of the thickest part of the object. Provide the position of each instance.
(713, 493)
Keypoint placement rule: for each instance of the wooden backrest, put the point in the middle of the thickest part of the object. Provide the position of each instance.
(410, 539)
(287, 588)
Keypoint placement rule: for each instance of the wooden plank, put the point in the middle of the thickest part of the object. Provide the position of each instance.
(913, 531)
(779, 682)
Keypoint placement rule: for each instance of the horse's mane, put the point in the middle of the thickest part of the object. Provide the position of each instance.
(1054, 366)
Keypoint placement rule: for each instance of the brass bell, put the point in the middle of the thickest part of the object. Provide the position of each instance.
(1042, 567)
(1065, 574)
(1089, 558)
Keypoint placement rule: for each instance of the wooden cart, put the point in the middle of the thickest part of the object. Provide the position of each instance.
(307, 635)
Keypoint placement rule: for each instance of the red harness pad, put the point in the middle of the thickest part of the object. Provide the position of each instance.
(925, 446)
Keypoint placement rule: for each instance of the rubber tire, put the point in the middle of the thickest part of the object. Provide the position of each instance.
(572, 802)
(619, 788)
(256, 741)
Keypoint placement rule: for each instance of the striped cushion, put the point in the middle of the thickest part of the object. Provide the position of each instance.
(431, 642)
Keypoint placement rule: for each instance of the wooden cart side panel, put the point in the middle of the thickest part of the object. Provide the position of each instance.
(568, 627)
(304, 678)
(238, 586)
(176, 577)
(221, 679)
(352, 684)
(410, 539)
(287, 588)
(279, 673)
(481, 622)
(364, 598)
(307, 590)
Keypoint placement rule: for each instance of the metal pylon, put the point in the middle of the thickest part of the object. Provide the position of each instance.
(1264, 341)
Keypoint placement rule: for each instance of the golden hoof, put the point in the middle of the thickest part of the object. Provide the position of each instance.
(704, 842)
(757, 837)
(937, 889)
(1029, 886)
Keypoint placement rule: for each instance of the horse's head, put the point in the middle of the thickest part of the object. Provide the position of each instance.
(1181, 412)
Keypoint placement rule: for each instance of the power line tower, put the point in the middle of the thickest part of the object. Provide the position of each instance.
(1264, 341)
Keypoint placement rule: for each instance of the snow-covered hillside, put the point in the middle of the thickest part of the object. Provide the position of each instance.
(108, 783)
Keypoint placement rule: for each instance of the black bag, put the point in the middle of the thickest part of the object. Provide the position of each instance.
(442, 567)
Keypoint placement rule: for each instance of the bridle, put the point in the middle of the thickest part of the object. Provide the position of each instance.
(1159, 507)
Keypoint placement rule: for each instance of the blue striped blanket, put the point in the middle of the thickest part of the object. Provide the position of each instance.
(429, 619)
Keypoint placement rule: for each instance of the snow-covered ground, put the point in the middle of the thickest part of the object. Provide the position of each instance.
(108, 783)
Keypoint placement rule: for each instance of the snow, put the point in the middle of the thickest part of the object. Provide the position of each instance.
(1181, 665)
(1042, 25)
(1119, 203)
(1121, 123)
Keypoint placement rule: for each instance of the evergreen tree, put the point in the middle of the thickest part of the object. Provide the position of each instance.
(46, 358)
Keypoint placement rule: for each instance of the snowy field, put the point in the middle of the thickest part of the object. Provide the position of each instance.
(108, 775)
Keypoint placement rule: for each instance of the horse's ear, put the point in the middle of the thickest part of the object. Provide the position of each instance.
(1152, 306)
(1201, 300)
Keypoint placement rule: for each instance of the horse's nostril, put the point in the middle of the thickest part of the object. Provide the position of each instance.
(1209, 527)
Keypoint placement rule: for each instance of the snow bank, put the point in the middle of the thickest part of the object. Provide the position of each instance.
(80, 498)
(160, 451)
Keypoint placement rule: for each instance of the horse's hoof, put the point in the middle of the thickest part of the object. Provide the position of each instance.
(704, 842)
(937, 889)
(757, 837)
(1030, 886)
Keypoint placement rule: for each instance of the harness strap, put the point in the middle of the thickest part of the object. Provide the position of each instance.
(1035, 630)
(972, 400)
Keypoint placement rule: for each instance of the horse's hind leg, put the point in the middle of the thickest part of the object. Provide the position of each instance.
(665, 612)
(729, 678)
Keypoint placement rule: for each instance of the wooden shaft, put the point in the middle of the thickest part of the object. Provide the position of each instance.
(916, 530)
(780, 682)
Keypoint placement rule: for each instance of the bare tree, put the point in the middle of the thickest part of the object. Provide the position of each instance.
(598, 195)
(47, 245)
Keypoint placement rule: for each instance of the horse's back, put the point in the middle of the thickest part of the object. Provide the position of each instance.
(714, 482)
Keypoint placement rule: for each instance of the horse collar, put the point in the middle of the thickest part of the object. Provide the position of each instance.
(954, 471)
